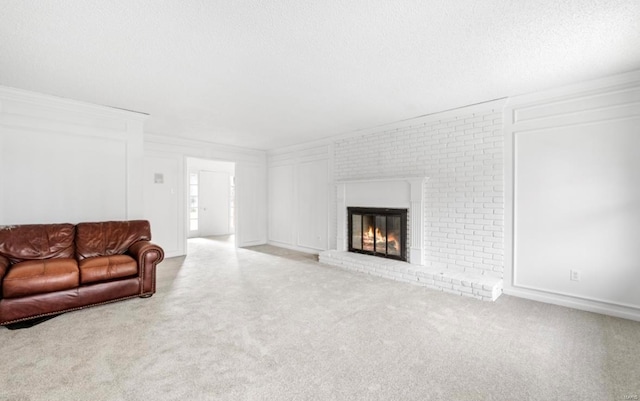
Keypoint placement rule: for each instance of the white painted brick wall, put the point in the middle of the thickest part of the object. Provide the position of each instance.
(463, 157)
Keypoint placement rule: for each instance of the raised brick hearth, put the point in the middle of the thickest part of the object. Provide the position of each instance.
(478, 286)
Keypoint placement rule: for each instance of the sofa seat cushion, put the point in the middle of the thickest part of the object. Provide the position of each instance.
(104, 268)
(40, 276)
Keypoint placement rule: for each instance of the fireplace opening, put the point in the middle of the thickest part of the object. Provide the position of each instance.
(378, 231)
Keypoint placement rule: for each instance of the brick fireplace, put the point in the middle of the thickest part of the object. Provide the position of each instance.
(455, 219)
(371, 197)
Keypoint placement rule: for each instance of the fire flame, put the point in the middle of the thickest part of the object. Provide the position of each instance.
(391, 240)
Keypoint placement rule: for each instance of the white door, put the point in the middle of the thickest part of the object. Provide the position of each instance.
(214, 203)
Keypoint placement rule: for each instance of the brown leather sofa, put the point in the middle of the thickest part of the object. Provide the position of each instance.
(47, 269)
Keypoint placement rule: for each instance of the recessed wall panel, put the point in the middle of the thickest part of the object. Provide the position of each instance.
(56, 177)
(312, 204)
(577, 208)
(281, 203)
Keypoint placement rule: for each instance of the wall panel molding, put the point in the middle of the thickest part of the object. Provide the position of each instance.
(299, 188)
(93, 153)
(571, 197)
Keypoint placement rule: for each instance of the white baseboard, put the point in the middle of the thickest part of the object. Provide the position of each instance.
(575, 303)
(295, 247)
(251, 243)
(174, 254)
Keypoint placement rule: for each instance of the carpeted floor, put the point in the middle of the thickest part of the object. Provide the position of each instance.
(270, 324)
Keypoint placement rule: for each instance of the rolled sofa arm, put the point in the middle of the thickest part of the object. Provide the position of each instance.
(4, 266)
(147, 255)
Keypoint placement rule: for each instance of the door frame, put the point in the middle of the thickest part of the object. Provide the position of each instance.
(189, 162)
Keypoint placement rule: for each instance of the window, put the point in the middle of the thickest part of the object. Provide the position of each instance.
(193, 201)
(232, 201)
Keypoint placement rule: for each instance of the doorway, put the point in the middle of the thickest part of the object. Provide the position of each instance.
(211, 203)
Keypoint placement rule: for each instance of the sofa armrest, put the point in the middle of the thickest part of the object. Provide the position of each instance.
(4, 266)
(147, 255)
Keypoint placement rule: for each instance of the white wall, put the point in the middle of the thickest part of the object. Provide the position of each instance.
(299, 190)
(163, 200)
(251, 203)
(281, 205)
(68, 161)
(312, 209)
(573, 190)
(251, 194)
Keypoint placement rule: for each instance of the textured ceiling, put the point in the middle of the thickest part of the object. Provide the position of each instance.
(264, 74)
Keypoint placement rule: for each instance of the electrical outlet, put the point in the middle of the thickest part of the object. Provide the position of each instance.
(574, 275)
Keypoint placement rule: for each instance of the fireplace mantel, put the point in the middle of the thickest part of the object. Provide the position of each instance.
(396, 192)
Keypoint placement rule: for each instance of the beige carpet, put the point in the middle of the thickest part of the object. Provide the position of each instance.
(271, 324)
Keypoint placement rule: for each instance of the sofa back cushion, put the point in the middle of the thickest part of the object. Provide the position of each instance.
(109, 237)
(37, 242)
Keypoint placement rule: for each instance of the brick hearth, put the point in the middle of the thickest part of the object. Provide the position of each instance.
(484, 287)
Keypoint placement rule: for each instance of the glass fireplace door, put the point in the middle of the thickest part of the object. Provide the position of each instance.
(379, 232)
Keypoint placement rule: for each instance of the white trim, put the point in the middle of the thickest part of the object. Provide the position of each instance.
(298, 248)
(203, 149)
(573, 302)
(497, 104)
(51, 101)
